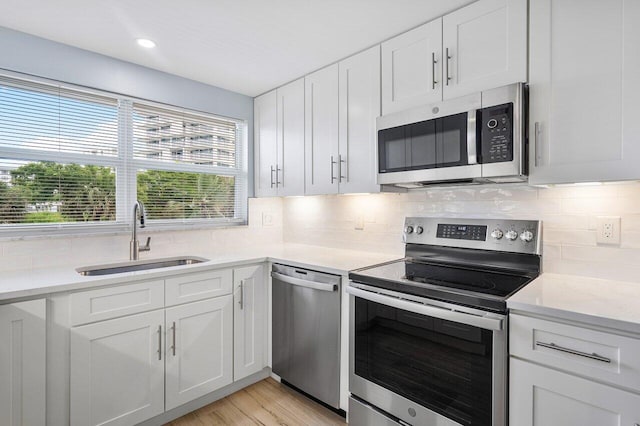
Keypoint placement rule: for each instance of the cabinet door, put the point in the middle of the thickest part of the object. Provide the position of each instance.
(290, 166)
(265, 137)
(249, 321)
(321, 131)
(412, 68)
(359, 107)
(22, 363)
(117, 370)
(540, 396)
(486, 44)
(583, 91)
(199, 349)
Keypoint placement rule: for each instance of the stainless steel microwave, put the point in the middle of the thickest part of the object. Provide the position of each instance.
(478, 138)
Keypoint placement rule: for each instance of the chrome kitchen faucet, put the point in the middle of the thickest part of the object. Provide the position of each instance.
(134, 246)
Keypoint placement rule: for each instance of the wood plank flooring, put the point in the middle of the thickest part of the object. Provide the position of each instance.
(264, 403)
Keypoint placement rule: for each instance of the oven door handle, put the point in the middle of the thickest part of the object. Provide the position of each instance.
(429, 310)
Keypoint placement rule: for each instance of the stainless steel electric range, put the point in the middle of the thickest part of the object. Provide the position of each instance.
(428, 333)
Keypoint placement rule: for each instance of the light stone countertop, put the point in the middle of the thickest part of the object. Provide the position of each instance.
(20, 284)
(598, 302)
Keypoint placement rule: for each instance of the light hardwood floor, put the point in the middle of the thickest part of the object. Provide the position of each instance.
(264, 403)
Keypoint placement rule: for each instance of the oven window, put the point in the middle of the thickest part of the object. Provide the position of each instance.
(442, 365)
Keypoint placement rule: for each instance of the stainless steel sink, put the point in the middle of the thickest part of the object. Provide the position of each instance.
(139, 265)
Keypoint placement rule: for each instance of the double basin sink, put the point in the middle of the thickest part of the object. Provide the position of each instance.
(139, 265)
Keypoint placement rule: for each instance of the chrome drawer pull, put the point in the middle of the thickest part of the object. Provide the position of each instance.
(574, 352)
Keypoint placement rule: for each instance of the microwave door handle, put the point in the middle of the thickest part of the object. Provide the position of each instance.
(472, 153)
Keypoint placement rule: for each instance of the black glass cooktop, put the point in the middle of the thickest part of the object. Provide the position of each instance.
(479, 287)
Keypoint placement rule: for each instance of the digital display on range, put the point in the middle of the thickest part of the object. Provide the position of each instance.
(462, 232)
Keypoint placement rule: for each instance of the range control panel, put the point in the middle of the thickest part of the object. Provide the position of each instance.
(496, 133)
(462, 232)
(518, 236)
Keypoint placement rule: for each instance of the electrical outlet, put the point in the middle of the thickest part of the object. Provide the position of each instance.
(608, 230)
(267, 219)
(359, 223)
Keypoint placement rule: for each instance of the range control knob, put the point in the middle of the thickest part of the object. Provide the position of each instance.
(419, 230)
(492, 123)
(512, 235)
(408, 229)
(497, 233)
(526, 236)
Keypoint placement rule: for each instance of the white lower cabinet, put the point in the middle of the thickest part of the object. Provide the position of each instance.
(541, 396)
(23, 363)
(199, 348)
(117, 370)
(126, 369)
(568, 374)
(249, 321)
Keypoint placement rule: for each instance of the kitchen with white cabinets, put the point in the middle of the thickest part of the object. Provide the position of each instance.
(275, 131)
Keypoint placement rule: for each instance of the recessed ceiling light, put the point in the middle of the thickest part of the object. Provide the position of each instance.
(146, 43)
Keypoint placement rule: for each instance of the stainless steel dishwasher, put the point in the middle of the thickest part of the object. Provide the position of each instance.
(306, 331)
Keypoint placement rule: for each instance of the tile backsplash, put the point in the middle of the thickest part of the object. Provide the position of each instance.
(374, 222)
(96, 249)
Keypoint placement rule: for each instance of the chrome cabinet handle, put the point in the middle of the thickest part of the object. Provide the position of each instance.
(272, 176)
(447, 66)
(574, 352)
(340, 161)
(241, 301)
(433, 71)
(332, 163)
(278, 170)
(536, 146)
(159, 342)
(173, 331)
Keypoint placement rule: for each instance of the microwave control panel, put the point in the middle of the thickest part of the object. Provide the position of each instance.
(496, 133)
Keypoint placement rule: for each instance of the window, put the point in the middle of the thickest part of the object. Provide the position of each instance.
(72, 156)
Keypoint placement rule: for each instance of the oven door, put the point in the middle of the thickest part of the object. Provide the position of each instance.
(427, 363)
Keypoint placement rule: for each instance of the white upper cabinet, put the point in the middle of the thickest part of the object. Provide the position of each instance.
(484, 46)
(265, 142)
(359, 104)
(584, 85)
(477, 47)
(412, 68)
(22, 363)
(279, 141)
(290, 166)
(321, 131)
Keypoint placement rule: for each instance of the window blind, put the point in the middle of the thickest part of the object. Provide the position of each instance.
(70, 154)
(189, 165)
(58, 154)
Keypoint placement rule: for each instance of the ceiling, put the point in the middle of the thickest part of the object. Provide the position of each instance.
(247, 46)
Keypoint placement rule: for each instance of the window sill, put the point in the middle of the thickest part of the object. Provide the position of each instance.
(37, 232)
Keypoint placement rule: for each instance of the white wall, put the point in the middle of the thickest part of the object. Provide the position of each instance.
(568, 215)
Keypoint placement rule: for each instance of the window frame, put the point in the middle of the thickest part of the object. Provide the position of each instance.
(126, 168)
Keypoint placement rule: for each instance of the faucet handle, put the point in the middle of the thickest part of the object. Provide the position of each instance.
(147, 246)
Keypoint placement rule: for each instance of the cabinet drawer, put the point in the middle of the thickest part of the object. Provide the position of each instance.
(113, 302)
(595, 354)
(199, 286)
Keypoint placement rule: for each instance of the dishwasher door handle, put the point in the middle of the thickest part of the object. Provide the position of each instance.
(304, 283)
